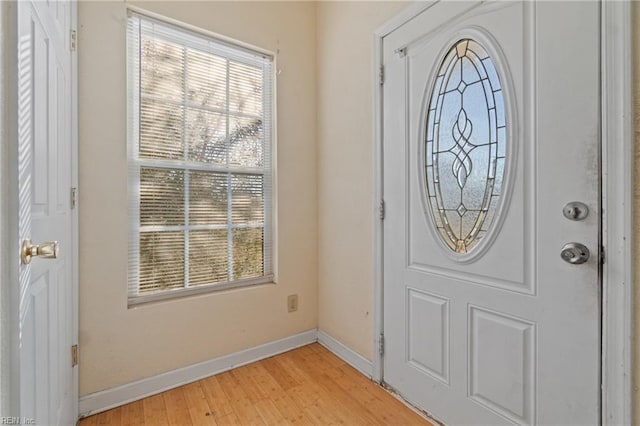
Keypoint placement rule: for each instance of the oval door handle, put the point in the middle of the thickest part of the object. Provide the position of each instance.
(575, 253)
(48, 250)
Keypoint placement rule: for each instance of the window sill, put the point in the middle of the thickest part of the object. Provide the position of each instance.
(197, 291)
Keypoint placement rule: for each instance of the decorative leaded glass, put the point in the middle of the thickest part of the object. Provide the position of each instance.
(465, 146)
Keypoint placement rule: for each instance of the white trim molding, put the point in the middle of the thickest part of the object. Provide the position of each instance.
(7, 211)
(110, 398)
(75, 212)
(617, 221)
(405, 15)
(9, 226)
(347, 354)
(114, 397)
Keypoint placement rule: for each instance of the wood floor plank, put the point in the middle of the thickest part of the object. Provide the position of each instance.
(287, 363)
(218, 402)
(132, 414)
(318, 404)
(280, 373)
(314, 408)
(345, 406)
(246, 380)
(290, 410)
(306, 386)
(89, 421)
(327, 356)
(376, 399)
(266, 384)
(155, 412)
(315, 347)
(111, 417)
(197, 404)
(176, 405)
(270, 413)
(365, 392)
(240, 402)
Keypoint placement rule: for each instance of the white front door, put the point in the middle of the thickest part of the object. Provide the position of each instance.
(491, 128)
(47, 378)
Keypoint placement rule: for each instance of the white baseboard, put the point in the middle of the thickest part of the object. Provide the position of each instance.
(104, 400)
(348, 355)
(114, 397)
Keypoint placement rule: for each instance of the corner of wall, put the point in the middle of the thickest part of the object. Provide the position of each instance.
(345, 168)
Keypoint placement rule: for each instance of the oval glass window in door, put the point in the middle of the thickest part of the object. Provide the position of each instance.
(466, 133)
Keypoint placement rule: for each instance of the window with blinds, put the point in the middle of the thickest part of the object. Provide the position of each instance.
(200, 174)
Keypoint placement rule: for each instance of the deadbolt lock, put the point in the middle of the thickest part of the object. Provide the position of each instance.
(575, 210)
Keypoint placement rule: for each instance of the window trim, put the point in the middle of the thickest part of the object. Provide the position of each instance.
(135, 164)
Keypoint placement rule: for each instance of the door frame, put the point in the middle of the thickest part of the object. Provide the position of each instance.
(9, 263)
(617, 204)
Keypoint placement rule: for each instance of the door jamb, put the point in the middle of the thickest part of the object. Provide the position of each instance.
(405, 15)
(617, 203)
(617, 206)
(9, 211)
(75, 210)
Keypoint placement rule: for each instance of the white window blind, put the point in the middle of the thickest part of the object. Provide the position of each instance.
(200, 174)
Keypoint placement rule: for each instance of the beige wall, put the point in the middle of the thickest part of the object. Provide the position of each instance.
(345, 168)
(120, 345)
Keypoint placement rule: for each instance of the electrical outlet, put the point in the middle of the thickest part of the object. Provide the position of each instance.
(292, 303)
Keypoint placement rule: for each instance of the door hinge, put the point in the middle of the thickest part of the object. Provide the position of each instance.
(74, 40)
(74, 355)
(603, 257)
(381, 75)
(382, 209)
(381, 345)
(74, 197)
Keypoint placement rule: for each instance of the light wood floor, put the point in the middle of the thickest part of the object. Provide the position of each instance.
(306, 386)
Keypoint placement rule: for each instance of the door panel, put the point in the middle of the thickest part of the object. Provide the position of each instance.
(428, 348)
(501, 363)
(48, 390)
(506, 331)
(504, 265)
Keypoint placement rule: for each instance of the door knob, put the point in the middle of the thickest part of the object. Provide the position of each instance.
(575, 253)
(48, 250)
